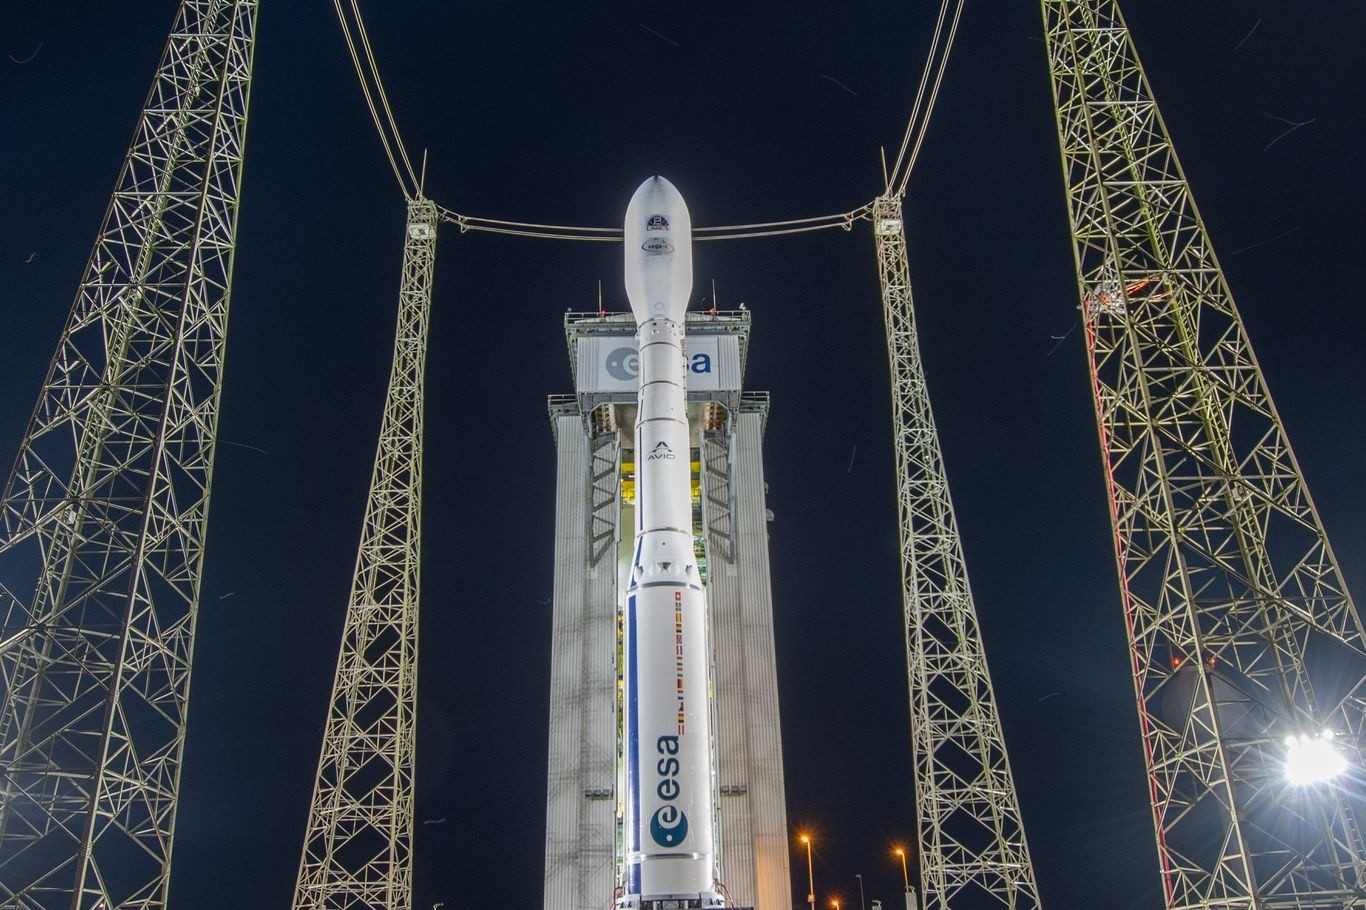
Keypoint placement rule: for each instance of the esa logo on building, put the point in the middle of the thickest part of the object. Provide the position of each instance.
(623, 364)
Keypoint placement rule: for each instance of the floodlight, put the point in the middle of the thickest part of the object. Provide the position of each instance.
(1312, 759)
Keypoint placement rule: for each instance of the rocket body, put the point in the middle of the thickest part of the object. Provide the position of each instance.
(670, 842)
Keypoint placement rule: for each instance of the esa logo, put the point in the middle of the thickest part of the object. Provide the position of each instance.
(669, 825)
(657, 223)
(623, 364)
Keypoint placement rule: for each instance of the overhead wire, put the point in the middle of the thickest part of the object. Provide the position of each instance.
(383, 96)
(366, 78)
(931, 77)
(844, 220)
(914, 117)
(934, 95)
(732, 228)
(386, 126)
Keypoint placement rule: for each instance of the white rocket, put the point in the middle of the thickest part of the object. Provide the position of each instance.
(670, 842)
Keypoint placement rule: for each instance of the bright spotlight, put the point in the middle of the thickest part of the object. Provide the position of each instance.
(1312, 760)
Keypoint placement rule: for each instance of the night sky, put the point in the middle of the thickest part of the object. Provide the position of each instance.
(757, 111)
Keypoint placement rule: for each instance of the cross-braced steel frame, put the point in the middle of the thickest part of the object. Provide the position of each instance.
(1241, 630)
(106, 506)
(972, 844)
(358, 848)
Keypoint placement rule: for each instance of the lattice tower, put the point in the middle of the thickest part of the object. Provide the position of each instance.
(1241, 630)
(105, 509)
(358, 848)
(972, 844)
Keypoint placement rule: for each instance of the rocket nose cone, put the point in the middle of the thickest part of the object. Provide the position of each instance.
(658, 241)
(656, 193)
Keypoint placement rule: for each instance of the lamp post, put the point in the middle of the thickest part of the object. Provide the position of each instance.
(906, 880)
(861, 904)
(810, 876)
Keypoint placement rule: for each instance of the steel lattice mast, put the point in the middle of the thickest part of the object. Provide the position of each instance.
(358, 849)
(972, 844)
(1241, 629)
(106, 506)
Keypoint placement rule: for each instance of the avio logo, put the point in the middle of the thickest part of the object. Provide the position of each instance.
(661, 451)
(623, 364)
(669, 824)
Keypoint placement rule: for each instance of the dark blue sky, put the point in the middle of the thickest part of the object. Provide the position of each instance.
(555, 112)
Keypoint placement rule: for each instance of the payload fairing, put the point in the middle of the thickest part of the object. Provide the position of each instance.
(670, 852)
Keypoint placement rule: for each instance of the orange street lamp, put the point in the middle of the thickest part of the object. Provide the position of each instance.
(906, 879)
(810, 877)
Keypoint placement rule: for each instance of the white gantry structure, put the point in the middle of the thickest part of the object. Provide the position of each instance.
(1241, 632)
(594, 522)
(358, 847)
(104, 512)
(971, 838)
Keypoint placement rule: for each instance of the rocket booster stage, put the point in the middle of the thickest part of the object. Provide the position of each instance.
(670, 842)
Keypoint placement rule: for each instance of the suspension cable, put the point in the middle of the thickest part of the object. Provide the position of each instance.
(932, 77)
(467, 223)
(390, 138)
(386, 126)
(383, 96)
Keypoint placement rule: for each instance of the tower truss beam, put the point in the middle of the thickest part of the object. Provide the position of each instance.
(108, 499)
(972, 843)
(358, 847)
(1241, 629)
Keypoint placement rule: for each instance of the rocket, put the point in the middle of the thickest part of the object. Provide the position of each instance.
(670, 849)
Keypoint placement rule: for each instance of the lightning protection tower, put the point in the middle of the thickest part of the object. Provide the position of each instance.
(1241, 630)
(972, 844)
(105, 508)
(358, 847)
(595, 484)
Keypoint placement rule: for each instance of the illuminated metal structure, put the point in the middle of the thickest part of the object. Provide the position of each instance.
(594, 522)
(105, 509)
(1241, 630)
(972, 844)
(358, 847)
